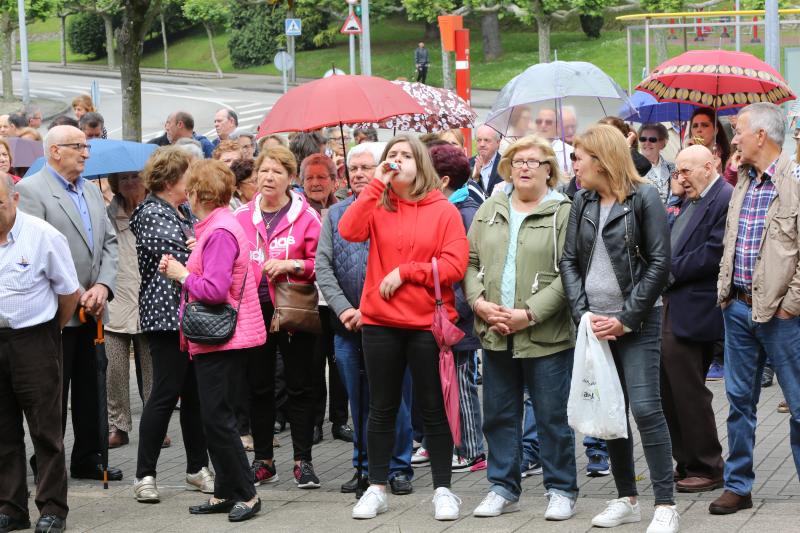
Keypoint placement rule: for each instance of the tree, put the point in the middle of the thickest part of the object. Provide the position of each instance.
(9, 22)
(211, 14)
(137, 18)
(107, 9)
(62, 9)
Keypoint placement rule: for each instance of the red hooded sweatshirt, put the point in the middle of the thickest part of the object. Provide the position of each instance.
(407, 238)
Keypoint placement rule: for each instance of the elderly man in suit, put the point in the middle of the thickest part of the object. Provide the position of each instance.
(692, 322)
(484, 165)
(59, 195)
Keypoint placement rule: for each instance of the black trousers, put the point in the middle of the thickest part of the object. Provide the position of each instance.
(173, 377)
(387, 352)
(324, 353)
(687, 403)
(30, 363)
(297, 350)
(422, 72)
(215, 372)
(80, 371)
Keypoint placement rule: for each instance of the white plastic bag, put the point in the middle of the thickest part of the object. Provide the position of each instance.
(596, 405)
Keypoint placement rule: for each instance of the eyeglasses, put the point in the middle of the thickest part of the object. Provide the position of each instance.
(545, 121)
(362, 168)
(648, 139)
(530, 163)
(77, 146)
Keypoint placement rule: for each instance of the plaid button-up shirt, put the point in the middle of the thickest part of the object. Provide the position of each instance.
(752, 218)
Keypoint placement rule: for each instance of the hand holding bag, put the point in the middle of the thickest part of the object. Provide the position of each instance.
(596, 405)
(210, 324)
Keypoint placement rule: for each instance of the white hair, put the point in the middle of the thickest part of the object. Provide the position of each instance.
(484, 125)
(330, 130)
(374, 148)
(191, 147)
(768, 117)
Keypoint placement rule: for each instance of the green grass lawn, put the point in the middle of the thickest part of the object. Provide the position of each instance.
(393, 43)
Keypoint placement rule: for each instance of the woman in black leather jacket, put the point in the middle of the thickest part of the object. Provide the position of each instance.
(615, 265)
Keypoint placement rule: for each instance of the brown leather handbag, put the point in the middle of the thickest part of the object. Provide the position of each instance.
(296, 308)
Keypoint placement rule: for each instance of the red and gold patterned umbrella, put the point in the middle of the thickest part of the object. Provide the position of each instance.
(719, 79)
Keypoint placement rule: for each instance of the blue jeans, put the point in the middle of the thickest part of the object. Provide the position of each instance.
(530, 437)
(548, 380)
(747, 345)
(348, 361)
(595, 446)
(638, 359)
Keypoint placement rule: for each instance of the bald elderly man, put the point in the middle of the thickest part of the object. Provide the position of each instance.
(692, 322)
(74, 206)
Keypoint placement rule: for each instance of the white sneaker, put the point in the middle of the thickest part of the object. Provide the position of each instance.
(247, 442)
(560, 507)
(445, 504)
(203, 481)
(618, 512)
(420, 457)
(371, 504)
(145, 490)
(495, 505)
(665, 520)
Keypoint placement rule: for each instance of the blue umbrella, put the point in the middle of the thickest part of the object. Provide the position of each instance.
(109, 157)
(645, 108)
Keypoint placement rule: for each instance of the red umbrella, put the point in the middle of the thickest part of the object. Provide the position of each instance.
(337, 100)
(718, 79)
(446, 334)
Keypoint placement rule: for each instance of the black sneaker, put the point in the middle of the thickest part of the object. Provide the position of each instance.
(263, 473)
(305, 477)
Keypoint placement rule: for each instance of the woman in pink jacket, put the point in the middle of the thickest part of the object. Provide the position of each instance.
(282, 230)
(218, 272)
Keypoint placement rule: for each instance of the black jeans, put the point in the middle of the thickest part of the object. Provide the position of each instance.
(387, 352)
(214, 371)
(324, 352)
(173, 377)
(637, 356)
(297, 350)
(80, 370)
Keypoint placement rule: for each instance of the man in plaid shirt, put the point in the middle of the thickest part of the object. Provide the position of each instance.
(759, 291)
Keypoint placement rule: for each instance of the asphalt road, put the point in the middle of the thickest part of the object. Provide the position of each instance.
(159, 99)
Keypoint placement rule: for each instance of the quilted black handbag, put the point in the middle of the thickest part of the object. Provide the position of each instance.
(210, 324)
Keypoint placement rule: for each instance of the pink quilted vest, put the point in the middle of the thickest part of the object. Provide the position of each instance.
(250, 331)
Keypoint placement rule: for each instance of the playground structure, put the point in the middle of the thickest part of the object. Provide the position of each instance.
(706, 29)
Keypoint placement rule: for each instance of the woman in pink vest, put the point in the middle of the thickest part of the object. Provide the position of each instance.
(282, 230)
(218, 272)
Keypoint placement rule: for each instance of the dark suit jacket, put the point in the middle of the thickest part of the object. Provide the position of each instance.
(494, 177)
(692, 294)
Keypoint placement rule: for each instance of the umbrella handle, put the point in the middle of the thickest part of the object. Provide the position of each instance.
(436, 287)
(100, 338)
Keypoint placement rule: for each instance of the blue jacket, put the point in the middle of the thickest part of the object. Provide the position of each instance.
(466, 318)
(694, 268)
(208, 148)
(341, 265)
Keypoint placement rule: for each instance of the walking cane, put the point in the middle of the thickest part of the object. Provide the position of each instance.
(101, 363)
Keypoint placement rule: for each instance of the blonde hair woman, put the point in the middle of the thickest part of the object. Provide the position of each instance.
(514, 286)
(408, 221)
(615, 265)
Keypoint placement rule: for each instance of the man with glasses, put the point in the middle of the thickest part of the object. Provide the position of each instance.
(547, 127)
(59, 195)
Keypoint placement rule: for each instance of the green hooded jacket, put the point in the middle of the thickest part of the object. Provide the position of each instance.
(538, 284)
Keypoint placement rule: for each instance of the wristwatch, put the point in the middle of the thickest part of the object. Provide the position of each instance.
(531, 319)
(297, 266)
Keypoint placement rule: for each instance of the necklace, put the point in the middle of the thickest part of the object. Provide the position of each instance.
(272, 219)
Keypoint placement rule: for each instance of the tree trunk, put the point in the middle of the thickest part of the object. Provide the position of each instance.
(137, 17)
(543, 29)
(431, 31)
(62, 34)
(164, 40)
(213, 53)
(490, 31)
(5, 56)
(447, 80)
(661, 46)
(108, 23)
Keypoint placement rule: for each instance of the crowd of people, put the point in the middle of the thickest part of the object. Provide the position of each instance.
(238, 271)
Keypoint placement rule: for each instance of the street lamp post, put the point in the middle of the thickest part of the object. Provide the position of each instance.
(772, 35)
(23, 46)
(366, 57)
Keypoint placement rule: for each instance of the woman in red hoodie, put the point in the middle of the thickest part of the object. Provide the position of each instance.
(408, 221)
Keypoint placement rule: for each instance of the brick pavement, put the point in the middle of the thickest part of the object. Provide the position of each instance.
(285, 508)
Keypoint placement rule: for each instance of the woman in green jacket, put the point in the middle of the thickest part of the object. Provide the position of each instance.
(523, 321)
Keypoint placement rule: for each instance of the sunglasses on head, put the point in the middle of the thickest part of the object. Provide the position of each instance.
(648, 139)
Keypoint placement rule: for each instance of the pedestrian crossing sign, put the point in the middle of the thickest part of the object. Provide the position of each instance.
(294, 27)
(352, 26)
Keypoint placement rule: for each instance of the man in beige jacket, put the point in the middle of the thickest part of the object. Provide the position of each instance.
(759, 291)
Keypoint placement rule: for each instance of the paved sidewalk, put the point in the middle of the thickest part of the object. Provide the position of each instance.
(286, 508)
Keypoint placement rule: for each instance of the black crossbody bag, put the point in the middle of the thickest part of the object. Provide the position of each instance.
(210, 324)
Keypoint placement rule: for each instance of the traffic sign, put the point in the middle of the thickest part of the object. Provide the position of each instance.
(351, 26)
(293, 27)
(283, 61)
